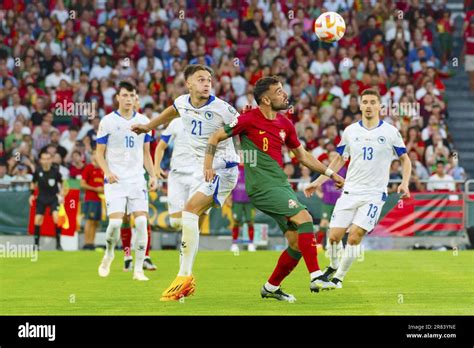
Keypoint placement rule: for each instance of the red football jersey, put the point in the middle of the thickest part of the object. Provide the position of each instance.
(268, 135)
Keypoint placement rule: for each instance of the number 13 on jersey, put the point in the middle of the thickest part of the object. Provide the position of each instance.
(368, 153)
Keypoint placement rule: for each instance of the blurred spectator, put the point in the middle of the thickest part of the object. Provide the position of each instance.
(468, 51)
(453, 168)
(305, 178)
(76, 166)
(5, 179)
(440, 181)
(395, 174)
(56, 142)
(418, 167)
(16, 111)
(436, 151)
(53, 79)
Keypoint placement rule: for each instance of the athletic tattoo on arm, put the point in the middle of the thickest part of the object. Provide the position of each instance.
(211, 149)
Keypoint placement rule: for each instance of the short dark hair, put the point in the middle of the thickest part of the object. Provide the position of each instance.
(44, 152)
(439, 162)
(193, 68)
(263, 85)
(370, 91)
(127, 86)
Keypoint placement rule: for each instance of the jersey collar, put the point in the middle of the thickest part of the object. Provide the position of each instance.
(209, 101)
(118, 114)
(362, 125)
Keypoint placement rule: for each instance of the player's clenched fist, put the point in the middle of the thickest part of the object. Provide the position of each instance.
(140, 128)
(338, 180)
(153, 183)
(111, 178)
(209, 174)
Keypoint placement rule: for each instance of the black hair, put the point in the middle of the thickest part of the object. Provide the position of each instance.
(263, 85)
(370, 91)
(127, 86)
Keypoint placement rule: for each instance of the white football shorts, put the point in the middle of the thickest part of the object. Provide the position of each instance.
(362, 210)
(179, 189)
(126, 197)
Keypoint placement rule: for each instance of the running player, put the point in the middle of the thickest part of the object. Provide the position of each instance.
(264, 131)
(242, 212)
(202, 114)
(371, 145)
(122, 155)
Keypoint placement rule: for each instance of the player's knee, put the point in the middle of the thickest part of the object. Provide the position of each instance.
(176, 223)
(39, 220)
(115, 223)
(294, 245)
(354, 238)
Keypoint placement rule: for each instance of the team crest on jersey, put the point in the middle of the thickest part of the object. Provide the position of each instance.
(208, 115)
(381, 140)
(282, 135)
(292, 203)
(51, 182)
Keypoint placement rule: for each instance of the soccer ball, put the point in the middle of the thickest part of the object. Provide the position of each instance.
(330, 27)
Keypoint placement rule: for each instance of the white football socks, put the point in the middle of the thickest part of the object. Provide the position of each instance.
(334, 253)
(111, 236)
(351, 252)
(141, 242)
(189, 243)
(176, 223)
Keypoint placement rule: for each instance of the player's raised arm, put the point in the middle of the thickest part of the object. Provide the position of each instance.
(166, 116)
(336, 165)
(214, 139)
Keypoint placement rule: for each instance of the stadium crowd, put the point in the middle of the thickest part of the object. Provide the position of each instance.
(60, 62)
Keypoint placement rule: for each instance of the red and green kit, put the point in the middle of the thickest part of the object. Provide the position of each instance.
(265, 182)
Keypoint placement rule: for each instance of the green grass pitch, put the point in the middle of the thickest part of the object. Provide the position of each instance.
(384, 283)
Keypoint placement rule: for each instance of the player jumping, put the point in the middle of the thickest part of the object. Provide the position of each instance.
(265, 131)
(371, 145)
(122, 155)
(202, 114)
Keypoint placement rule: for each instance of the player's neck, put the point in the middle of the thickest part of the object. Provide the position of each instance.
(127, 114)
(46, 168)
(372, 123)
(268, 113)
(197, 102)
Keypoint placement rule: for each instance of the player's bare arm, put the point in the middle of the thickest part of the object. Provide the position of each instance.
(148, 164)
(214, 139)
(159, 153)
(100, 152)
(166, 116)
(312, 163)
(336, 165)
(406, 173)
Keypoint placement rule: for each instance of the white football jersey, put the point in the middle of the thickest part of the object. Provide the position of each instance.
(124, 152)
(182, 160)
(371, 152)
(200, 123)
